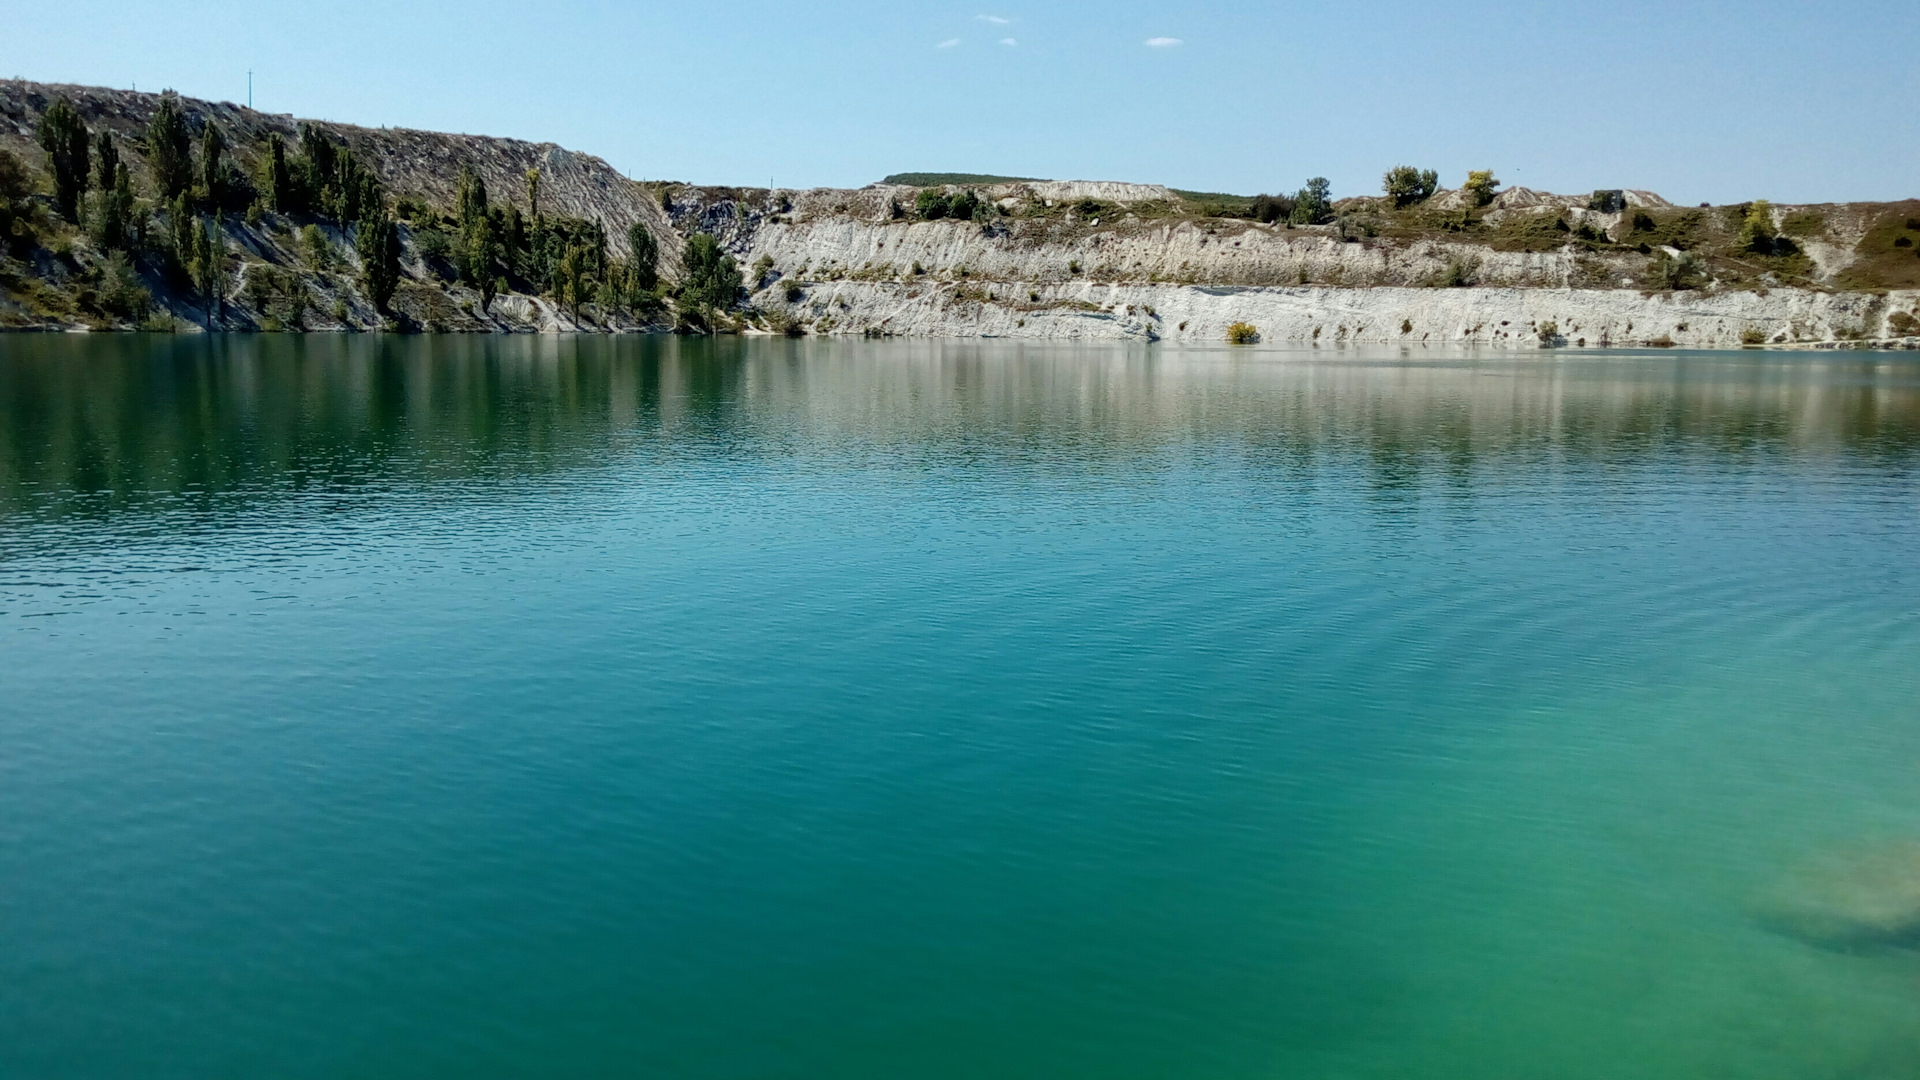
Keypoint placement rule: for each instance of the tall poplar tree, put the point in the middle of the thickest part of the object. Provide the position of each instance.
(113, 208)
(378, 244)
(213, 165)
(63, 135)
(479, 248)
(169, 148)
(278, 179)
(644, 258)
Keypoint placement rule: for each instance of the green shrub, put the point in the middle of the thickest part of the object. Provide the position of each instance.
(1242, 333)
(785, 323)
(121, 292)
(432, 242)
(1608, 201)
(1090, 209)
(1903, 324)
(1753, 335)
(1355, 227)
(1459, 273)
(1268, 209)
(931, 204)
(1680, 271)
(315, 249)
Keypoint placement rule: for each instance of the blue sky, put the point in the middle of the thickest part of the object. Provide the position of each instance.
(1698, 101)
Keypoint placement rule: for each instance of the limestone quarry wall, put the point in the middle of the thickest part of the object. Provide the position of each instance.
(1324, 315)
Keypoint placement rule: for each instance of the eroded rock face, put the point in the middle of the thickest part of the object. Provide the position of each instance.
(1856, 902)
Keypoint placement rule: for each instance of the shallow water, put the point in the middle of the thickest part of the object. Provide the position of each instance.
(511, 707)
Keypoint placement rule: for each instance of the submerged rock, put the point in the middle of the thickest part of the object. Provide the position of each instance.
(1857, 903)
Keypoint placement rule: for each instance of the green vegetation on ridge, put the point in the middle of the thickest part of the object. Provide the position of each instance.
(941, 179)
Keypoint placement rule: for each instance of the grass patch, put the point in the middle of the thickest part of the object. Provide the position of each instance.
(1880, 259)
(1668, 227)
(1804, 223)
(1214, 203)
(1534, 232)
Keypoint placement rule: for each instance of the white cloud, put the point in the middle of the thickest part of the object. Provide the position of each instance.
(1162, 42)
(948, 44)
(994, 19)
(1008, 41)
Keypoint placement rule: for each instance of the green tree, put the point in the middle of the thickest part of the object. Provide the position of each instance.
(112, 217)
(469, 195)
(1480, 186)
(484, 254)
(1406, 185)
(169, 148)
(711, 281)
(378, 244)
(1312, 204)
(533, 194)
(358, 192)
(318, 161)
(180, 240)
(276, 179)
(571, 281)
(643, 261)
(213, 166)
(1757, 233)
(15, 186)
(63, 135)
(106, 161)
(478, 248)
(209, 265)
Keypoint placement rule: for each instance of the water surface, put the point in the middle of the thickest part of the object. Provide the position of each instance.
(423, 707)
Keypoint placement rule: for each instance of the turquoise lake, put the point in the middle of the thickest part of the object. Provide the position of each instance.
(533, 707)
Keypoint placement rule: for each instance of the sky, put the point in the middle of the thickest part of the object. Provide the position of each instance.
(1791, 101)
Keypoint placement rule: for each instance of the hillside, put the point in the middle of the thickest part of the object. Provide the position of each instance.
(986, 256)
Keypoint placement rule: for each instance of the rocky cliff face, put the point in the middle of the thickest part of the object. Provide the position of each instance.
(1078, 259)
(423, 164)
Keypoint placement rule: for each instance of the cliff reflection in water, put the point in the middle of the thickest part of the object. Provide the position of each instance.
(91, 425)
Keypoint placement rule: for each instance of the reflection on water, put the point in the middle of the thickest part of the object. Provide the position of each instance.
(394, 707)
(107, 423)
